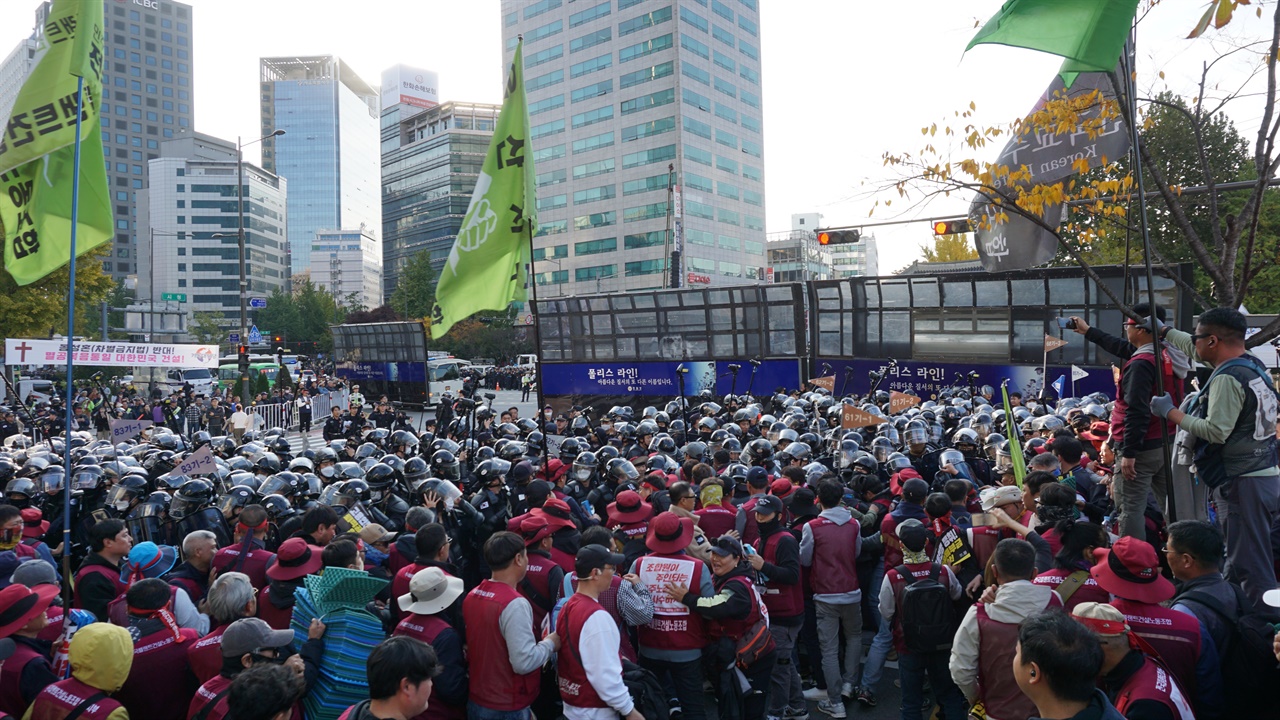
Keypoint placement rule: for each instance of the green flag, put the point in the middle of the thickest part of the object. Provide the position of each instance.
(38, 147)
(1015, 449)
(1090, 34)
(486, 269)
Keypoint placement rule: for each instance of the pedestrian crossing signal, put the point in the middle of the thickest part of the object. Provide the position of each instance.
(951, 227)
(838, 237)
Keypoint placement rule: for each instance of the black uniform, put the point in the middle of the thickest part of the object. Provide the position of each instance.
(333, 428)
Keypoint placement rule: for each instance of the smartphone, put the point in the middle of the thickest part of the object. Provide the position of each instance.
(982, 520)
(1066, 323)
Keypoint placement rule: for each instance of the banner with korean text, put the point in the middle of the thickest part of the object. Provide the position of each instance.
(25, 351)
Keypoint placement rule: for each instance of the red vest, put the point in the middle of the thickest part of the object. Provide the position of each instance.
(1152, 682)
(918, 570)
(834, 568)
(782, 600)
(539, 579)
(494, 684)
(1171, 386)
(750, 529)
(567, 562)
(400, 586)
(427, 628)
(160, 681)
(11, 700)
(255, 563)
(205, 695)
(997, 644)
(735, 628)
(53, 630)
(676, 628)
(396, 559)
(609, 601)
(716, 520)
(277, 618)
(103, 570)
(25, 552)
(575, 688)
(118, 609)
(1175, 636)
(59, 699)
(983, 540)
(1088, 592)
(205, 655)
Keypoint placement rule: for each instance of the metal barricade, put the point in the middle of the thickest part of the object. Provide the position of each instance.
(271, 415)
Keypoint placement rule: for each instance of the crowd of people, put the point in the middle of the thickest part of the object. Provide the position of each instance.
(728, 556)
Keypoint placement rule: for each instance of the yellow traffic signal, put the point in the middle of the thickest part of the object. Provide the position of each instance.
(838, 237)
(951, 227)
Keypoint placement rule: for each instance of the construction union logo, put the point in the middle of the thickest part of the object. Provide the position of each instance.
(481, 222)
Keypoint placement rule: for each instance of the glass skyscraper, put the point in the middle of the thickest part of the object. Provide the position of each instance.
(329, 152)
(626, 96)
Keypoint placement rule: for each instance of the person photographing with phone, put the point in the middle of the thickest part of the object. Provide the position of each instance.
(1137, 434)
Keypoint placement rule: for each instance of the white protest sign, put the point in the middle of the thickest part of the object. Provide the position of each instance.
(125, 429)
(656, 572)
(200, 462)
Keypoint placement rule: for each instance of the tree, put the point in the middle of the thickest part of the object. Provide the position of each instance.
(494, 336)
(415, 294)
(949, 248)
(283, 378)
(382, 313)
(1225, 234)
(40, 309)
(206, 327)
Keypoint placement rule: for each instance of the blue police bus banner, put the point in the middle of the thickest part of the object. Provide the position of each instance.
(927, 379)
(602, 384)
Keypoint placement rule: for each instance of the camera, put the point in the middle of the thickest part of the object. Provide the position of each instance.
(755, 362)
(490, 396)
(735, 367)
(464, 405)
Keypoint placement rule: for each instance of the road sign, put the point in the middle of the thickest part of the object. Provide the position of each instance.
(255, 337)
(175, 297)
(233, 338)
(257, 303)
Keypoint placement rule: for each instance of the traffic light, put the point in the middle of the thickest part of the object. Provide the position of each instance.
(277, 339)
(243, 352)
(951, 227)
(838, 237)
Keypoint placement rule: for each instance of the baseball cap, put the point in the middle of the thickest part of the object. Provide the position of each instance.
(591, 557)
(769, 504)
(726, 546)
(375, 533)
(248, 634)
(913, 534)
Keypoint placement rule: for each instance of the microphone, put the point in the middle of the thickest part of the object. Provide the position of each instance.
(755, 361)
(893, 363)
(735, 367)
(826, 368)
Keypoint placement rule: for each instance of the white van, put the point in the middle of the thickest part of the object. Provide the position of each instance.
(30, 390)
(169, 381)
(444, 376)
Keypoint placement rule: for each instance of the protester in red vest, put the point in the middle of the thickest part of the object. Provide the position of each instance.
(745, 522)
(160, 683)
(777, 559)
(1056, 665)
(829, 547)
(1130, 571)
(192, 574)
(232, 597)
(404, 549)
(985, 644)
(505, 656)
(28, 670)
(590, 671)
(1136, 432)
(101, 657)
(1138, 685)
(248, 554)
(543, 582)
(431, 593)
(1070, 575)
(264, 692)
(245, 643)
(400, 671)
(148, 560)
(431, 547)
(629, 517)
(717, 515)
(7, 648)
(34, 573)
(11, 533)
(295, 560)
(97, 580)
(673, 641)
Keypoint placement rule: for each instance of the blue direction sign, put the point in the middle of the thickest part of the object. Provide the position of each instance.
(257, 303)
(254, 336)
(233, 338)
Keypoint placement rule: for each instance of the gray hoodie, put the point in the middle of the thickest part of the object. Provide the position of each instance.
(1015, 601)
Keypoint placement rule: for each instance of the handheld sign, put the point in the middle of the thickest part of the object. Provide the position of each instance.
(901, 401)
(199, 462)
(125, 429)
(852, 417)
(828, 382)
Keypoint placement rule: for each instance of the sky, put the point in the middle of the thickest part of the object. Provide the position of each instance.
(844, 81)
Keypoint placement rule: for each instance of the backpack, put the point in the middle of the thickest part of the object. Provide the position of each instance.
(646, 691)
(1249, 671)
(927, 614)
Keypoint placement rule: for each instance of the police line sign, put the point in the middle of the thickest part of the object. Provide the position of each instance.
(125, 429)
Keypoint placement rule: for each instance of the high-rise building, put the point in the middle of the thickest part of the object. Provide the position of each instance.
(430, 162)
(191, 200)
(329, 152)
(348, 264)
(21, 61)
(626, 97)
(860, 259)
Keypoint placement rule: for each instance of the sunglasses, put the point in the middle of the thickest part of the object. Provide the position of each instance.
(1198, 337)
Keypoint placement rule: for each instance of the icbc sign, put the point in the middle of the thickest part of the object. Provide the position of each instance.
(699, 279)
(149, 4)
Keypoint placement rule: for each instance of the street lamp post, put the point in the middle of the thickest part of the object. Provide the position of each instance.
(244, 281)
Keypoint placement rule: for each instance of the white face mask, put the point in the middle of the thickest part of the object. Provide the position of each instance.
(327, 471)
(122, 505)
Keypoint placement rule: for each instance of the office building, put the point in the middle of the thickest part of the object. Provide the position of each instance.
(348, 264)
(20, 62)
(430, 162)
(189, 225)
(860, 259)
(329, 152)
(796, 256)
(626, 97)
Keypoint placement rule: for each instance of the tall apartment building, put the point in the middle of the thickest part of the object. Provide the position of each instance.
(623, 94)
(192, 198)
(348, 264)
(20, 62)
(430, 161)
(329, 152)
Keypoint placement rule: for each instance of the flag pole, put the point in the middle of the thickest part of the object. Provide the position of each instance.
(71, 332)
(537, 343)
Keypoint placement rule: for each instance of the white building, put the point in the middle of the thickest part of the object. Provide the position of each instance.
(348, 264)
(625, 97)
(14, 70)
(188, 228)
(860, 259)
